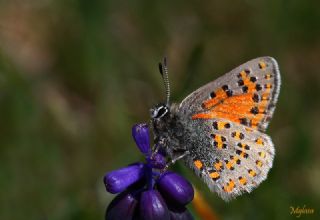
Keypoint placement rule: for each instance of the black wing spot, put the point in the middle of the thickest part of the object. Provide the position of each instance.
(253, 79)
(229, 93)
(244, 121)
(254, 110)
(215, 125)
(258, 87)
(213, 95)
(256, 98)
(245, 89)
(225, 87)
(240, 82)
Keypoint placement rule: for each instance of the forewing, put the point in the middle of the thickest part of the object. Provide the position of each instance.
(246, 95)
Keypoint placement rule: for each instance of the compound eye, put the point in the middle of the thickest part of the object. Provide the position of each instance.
(161, 112)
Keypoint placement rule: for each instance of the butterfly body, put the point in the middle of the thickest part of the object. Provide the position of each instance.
(219, 128)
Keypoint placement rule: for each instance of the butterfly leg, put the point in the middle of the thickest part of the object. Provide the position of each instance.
(175, 159)
(158, 146)
(155, 150)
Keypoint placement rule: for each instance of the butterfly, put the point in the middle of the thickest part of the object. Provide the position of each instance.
(219, 129)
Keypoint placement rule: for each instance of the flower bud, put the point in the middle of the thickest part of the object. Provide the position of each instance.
(118, 180)
(123, 206)
(175, 188)
(140, 134)
(153, 207)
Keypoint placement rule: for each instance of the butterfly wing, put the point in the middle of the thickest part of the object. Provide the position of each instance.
(226, 118)
(233, 159)
(246, 95)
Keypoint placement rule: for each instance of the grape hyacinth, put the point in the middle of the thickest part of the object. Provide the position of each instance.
(145, 192)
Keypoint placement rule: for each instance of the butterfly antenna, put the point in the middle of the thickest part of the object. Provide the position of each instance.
(163, 68)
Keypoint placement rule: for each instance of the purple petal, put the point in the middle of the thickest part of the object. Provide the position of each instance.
(175, 188)
(181, 213)
(153, 207)
(118, 180)
(123, 206)
(158, 161)
(140, 134)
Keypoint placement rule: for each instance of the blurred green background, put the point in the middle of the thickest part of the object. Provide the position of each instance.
(75, 75)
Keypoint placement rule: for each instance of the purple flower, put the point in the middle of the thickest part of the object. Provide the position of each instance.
(152, 206)
(118, 180)
(175, 188)
(146, 192)
(126, 202)
(140, 134)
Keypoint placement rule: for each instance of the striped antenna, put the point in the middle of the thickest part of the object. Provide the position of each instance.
(163, 68)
